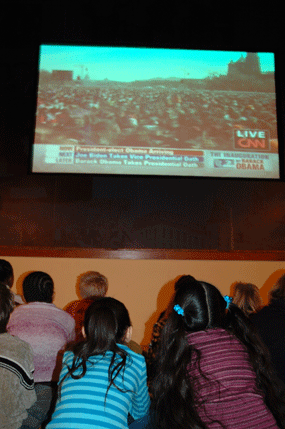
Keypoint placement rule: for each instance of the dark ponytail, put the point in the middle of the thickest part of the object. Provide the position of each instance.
(171, 389)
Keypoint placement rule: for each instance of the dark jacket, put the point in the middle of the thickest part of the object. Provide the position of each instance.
(270, 324)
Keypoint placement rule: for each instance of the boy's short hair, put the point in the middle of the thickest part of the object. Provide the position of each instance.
(38, 287)
(6, 306)
(93, 284)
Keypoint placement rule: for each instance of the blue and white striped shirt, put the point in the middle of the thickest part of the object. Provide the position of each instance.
(83, 403)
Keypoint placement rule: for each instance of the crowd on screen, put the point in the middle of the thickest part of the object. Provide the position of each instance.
(213, 361)
(158, 116)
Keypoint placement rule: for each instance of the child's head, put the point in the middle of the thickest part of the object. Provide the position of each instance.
(6, 306)
(6, 273)
(247, 297)
(38, 287)
(93, 284)
(106, 323)
(278, 290)
(198, 307)
(107, 317)
(184, 280)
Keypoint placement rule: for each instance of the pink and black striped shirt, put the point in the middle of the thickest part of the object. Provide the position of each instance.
(227, 397)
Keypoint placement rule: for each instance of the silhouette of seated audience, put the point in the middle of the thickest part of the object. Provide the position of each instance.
(205, 358)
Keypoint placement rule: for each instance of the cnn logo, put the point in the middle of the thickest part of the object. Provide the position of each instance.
(256, 140)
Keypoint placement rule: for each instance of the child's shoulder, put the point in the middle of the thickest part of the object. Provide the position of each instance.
(67, 356)
(134, 357)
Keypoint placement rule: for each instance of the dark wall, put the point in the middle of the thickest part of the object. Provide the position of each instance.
(129, 212)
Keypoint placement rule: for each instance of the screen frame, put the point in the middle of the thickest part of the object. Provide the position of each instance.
(279, 90)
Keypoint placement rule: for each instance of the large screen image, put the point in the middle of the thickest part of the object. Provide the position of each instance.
(149, 111)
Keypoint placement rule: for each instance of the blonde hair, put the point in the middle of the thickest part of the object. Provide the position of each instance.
(93, 284)
(247, 297)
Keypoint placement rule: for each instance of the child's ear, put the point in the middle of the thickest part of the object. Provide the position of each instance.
(128, 334)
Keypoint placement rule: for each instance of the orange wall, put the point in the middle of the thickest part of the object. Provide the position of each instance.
(145, 286)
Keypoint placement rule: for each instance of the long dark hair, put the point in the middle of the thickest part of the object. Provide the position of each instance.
(6, 306)
(105, 323)
(203, 307)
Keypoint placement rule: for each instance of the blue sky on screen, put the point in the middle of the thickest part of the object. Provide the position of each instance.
(129, 64)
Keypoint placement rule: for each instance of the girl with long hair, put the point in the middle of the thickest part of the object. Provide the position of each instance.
(102, 381)
(213, 370)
